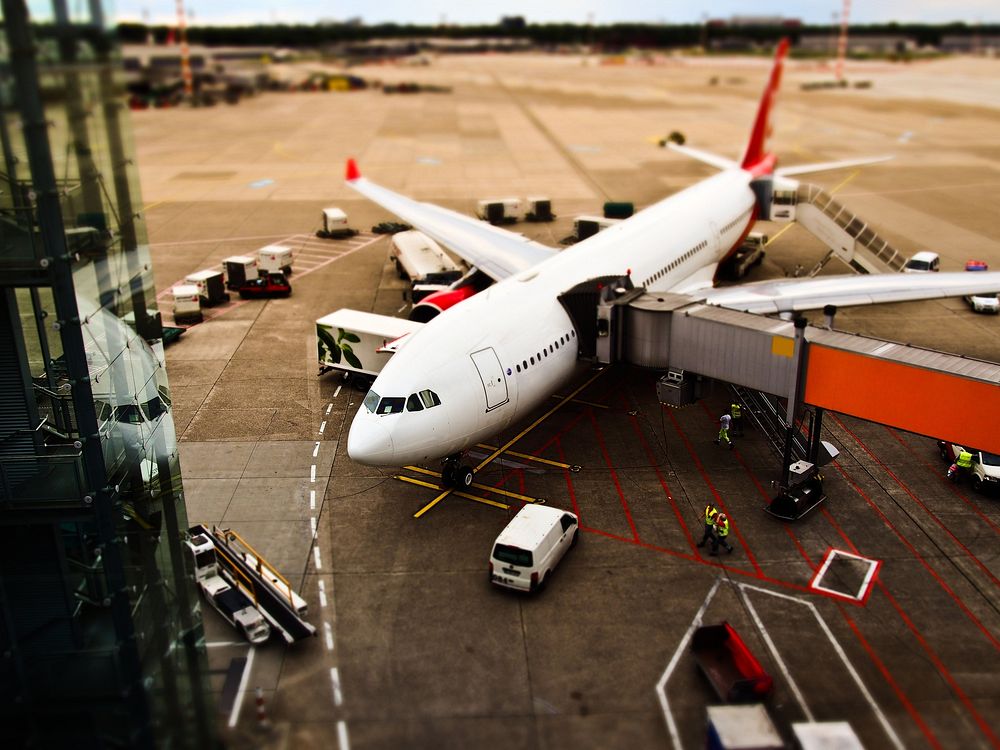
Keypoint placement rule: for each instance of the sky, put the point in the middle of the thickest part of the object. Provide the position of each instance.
(228, 12)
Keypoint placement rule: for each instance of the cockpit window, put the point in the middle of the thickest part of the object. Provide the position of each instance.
(413, 403)
(430, 398)
(391, 405)
(371, 402)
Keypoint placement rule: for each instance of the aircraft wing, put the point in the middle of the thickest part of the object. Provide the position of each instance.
(792, 295)
(494, 251)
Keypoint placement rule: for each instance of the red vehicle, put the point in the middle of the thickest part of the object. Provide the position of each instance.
(271, 285)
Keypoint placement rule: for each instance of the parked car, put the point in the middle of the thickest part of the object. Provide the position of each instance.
(923, 262)
(271, 285)
(985, 471)
(531, 545)
(981, 303)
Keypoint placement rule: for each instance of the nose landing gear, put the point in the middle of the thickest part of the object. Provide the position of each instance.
(456, 474)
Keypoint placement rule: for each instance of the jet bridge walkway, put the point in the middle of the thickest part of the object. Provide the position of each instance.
(847, 235)
(919, 390)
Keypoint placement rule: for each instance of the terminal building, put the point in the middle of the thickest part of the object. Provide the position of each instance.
(101, 640)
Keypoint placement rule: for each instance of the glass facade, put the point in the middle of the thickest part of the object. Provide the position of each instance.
(101, 643)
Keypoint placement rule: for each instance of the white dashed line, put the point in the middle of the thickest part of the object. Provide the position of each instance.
(338, 697)
(316, 450)
(342, 735)
(312, 473)
(329, 407)
(317, 559)
(312, 523)
(312, 499)
(234, 715)
(328, 635)
(335, 394)
(400, 309)
(322, 593)
(322, 427)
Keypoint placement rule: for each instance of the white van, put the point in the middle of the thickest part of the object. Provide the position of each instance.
(531, 546)
(922, 262)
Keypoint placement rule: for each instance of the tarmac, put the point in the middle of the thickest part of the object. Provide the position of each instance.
(415, 648)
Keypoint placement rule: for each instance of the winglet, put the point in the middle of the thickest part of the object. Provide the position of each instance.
(353, 172)
(756, 157)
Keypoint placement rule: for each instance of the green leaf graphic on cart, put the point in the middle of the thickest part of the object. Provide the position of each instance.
(326, 342)
(351, 357)
(352, 338)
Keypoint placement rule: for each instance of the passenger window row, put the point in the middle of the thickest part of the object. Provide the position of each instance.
(544, 353)
(673, 264)
(733, 223)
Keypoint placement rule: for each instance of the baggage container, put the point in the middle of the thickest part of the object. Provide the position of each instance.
(275, 259)
(187, 304)
(588, 226)
(729, 664)
(239, 269)
(499, 210)
(618, 210)
(211, 287)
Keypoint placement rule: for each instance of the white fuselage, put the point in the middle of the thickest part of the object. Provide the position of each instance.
(494, 358)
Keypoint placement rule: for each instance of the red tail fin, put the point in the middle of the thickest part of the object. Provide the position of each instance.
(757, 158)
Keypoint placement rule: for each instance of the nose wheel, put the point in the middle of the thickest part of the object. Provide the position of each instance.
(456, 474)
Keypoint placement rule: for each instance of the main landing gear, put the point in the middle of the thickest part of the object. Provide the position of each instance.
(454, 473)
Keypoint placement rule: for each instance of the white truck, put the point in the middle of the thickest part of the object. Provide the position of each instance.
(748, 255)
(421, 260)
(235, 606)
(358, 342)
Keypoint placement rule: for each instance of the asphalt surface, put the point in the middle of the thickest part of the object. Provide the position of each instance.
(414, 647)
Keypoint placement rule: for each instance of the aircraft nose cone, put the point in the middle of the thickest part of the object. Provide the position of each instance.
(369, 442)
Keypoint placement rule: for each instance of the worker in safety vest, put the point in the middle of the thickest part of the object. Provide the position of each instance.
(736, 412)
(721, 534)
(709, 536)
(723, 439)
(962, 463)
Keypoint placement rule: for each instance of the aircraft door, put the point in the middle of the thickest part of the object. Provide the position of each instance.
(491, 373)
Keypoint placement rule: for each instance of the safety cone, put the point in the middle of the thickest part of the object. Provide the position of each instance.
(263, 723)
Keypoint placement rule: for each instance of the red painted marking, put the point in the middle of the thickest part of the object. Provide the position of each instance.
(614, 474)
(663, 484)
(916, 554)
(919, 502)
(943, 671)
(910, 709)
(951, 485)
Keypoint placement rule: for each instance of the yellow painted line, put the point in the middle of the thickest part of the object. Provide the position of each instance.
(444, 494)
(526, 456)
(847, 179)
(502, 449)
(154, 204)
(538, 421)
(585, 403)
(780, 232)
(485, 488)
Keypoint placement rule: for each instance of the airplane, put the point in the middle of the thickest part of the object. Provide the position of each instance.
(490, 358)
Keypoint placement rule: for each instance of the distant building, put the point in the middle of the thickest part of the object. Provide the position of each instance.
(970, 44)
(858, 44)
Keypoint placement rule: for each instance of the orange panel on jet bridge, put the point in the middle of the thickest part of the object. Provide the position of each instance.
(927, 402)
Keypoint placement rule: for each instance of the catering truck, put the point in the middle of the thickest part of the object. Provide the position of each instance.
(358, 342)
(421, 260)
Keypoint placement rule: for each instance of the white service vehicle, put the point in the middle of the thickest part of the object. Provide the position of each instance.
(588, 226)
(421, 260)
(985, 471)
(235, 606)
(187, 303)
(531, 545)
(360, 342)
(499, 210)
(923, 262)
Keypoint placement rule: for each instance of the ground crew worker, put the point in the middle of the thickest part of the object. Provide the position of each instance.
(736, 412)
(963, 463)
(709, 536)
(721, 534)
(723, 439)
